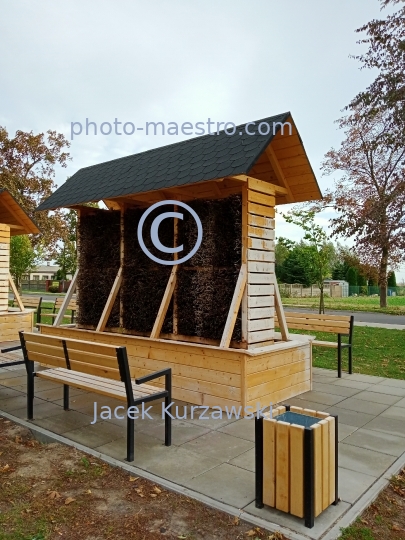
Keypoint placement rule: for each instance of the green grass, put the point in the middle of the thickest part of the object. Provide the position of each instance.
(376, 351)
(396, 304)
(357, 533)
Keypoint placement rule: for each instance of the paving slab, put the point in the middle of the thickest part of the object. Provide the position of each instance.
(182, 432)
(8, 374)
(173, 463)
(397, 413)
(226, 483)
(322, 398)
(96, 434)
(322, 523)
(376, 397)
(389, 425)
(332, 389)
(64, 422)
(362, 406)
(215, 444)
(15, 381)
(7, 392)
(306, 404)
(15, 402)
(371, 379)
(400, 403)
(245, 460)
(353, 384)
(399, 383)
(374, 440)
(244, 429)
(390, 390)
(42, 409)
(56, 394)
(344, 431)
(363, 460)
(351, 418)
(353, 484)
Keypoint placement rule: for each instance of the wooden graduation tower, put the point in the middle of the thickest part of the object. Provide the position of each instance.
(241, 367)
(13, 221)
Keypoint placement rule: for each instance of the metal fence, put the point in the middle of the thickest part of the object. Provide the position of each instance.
(34, 285)
(365, 290)
(296, 290)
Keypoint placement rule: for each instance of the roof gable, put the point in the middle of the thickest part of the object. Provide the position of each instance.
(12, 214)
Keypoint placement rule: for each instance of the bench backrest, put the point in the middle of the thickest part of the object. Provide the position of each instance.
(30, 301)
(337, 324)
(59, 301)
(83, 356)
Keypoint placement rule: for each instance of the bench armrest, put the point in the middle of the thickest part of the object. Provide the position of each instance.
(155, 375)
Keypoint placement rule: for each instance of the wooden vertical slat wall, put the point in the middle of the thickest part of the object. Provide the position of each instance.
(259, 303)
(4, 265)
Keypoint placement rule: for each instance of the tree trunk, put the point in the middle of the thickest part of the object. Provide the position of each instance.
(321, 301)
(382, 278)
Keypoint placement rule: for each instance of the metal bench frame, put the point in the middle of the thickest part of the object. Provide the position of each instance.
(123, 366)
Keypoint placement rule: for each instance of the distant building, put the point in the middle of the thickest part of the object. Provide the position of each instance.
(44, 272)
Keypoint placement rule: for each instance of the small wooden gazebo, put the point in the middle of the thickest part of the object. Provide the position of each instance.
(13, 221)
(211, 319)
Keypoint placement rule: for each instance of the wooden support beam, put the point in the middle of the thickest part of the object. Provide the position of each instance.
(233, 310)
(157, 327)
(279, 172)
(280, 313)
(110, 302)
(122, 253)
(59, 318)
(175, 256)
(16, 295)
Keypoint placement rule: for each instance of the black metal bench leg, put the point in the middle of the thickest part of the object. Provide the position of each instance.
(350, 361)
(168, 418)
(30, 396)
(339, 356)
(130, 438)
(66, 397)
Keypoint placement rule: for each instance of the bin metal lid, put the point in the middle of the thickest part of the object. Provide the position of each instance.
(295, 418)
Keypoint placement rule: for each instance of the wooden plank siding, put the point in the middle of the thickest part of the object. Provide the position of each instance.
(4, 265)
(209, 375)
(12, 322)
(259, 242)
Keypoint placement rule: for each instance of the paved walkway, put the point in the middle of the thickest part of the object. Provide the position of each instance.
(215, 458)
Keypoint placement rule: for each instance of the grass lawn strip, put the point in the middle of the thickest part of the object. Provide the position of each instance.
(53, 491)
(396, 304)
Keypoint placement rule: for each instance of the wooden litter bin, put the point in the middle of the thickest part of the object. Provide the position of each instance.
(297, 461)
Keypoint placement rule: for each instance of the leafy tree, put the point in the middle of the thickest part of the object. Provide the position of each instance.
(282, 249)
(392, 280)
(27, 170)
(297, 267)
(67, 251)
(352, 276)
(321, 256)
(23, 258)
(369, 196)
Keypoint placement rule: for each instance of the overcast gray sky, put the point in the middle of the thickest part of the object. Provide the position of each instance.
(179, 60)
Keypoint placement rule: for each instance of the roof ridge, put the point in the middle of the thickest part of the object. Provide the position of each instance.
(200, 137)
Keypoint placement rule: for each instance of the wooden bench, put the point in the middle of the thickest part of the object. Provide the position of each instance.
(342, 325)
(90, 366)
(56, 307)
(34, 302)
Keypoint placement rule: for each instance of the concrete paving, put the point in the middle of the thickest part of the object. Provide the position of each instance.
(214, 459)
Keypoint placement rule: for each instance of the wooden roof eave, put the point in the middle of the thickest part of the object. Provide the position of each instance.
(12, 214)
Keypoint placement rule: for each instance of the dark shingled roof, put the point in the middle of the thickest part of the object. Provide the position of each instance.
(187, 162)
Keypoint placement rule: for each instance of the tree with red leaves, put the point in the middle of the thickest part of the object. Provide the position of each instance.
(27, 171)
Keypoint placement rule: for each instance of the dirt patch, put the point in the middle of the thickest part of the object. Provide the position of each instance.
(49, 492)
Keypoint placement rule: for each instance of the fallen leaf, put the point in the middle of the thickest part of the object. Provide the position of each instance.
(18, 439)
(157, 490)
(69, 500)
(88, 492)
(133, 478)
(54, 495)
(396, 528)
(5, 468)
(153, 495)
(252, 532)
(236, 520)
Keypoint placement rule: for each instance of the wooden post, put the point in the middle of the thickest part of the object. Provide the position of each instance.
(175, 257)
(4, 265)
(157, 327)
(233, 310)
(66, 300)
(122, 251)
(110, 302)
(280, 313)
(16, 295)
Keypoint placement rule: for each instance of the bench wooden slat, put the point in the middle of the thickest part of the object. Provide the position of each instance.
(332, 344)
(315, 327)
(318, 322)
(85, 346)
(321, 316)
